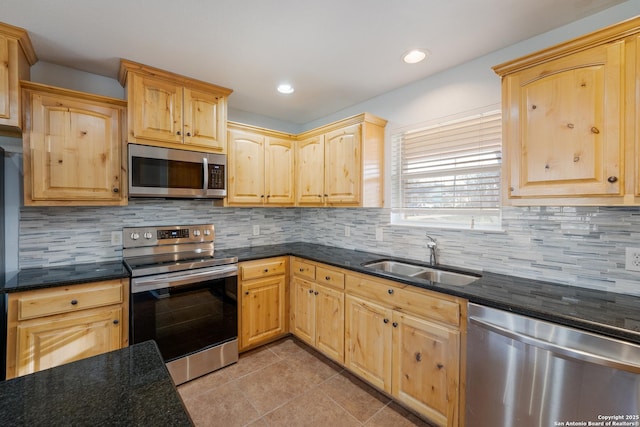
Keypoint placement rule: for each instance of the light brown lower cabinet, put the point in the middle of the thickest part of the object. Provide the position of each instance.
(396, 339)
(317, 307)
(51, 327)
(263, 301)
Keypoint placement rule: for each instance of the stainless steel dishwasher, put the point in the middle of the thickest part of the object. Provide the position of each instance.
(525, 372)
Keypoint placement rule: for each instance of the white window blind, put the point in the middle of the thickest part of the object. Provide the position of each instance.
(448, 174)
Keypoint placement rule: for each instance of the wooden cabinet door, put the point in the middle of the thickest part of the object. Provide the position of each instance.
(342, 170)
(203, 120)
(263, 310)
(279, 173)
(329, 322)
(158, 109)
(568, 138)
(52, 341)
(74, 150)
(426, 367)
(310, 171)
(6, 87)
(368, 340)
(246, 168)
(304, 310)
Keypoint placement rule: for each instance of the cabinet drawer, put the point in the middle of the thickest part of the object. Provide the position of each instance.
(330, 277)
(304, 269)
(46, 302)
(406, 298)
(263, 268)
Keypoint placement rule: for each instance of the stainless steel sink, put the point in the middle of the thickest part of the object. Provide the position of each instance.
(446, 277)
(395, 267)
(443, 277)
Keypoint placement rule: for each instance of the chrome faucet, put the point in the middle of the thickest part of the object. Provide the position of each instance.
(432, 245)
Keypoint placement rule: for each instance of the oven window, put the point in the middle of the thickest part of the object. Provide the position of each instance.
(162, 173)
(186, 319)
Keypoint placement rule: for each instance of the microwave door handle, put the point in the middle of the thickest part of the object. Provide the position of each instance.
(205, 164)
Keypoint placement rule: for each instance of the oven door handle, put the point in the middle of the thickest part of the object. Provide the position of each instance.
(150, 283)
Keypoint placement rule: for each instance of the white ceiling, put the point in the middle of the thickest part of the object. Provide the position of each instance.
(336, 53)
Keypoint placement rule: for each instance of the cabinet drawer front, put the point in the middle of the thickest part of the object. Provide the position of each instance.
(417, 302)
(406, 298)
(304, 269)
(330, 277)
(385, 293)
(69, 299)
(264, 268)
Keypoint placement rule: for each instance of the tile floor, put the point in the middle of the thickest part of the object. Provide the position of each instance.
(289, 384)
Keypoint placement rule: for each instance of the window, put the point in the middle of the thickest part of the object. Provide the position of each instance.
(448, 174)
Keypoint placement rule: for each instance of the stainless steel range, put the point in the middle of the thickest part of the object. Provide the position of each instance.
(183, 297)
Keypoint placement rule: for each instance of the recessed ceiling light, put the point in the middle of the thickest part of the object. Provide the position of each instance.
(414, 56)
(285, 88)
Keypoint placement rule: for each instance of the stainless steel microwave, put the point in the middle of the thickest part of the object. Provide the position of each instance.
(173, 173)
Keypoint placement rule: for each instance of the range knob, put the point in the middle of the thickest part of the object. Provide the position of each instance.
(148, 235)
(134, 236)
(196, 233)
(207, 232)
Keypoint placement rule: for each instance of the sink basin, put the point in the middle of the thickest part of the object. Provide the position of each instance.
(446, 277)
(443, 277)
(395, 267)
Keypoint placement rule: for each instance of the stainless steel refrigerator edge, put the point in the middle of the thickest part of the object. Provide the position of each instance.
(525, 372)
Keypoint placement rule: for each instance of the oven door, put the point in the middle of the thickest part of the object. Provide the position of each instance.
(172, 173)
(185, 312)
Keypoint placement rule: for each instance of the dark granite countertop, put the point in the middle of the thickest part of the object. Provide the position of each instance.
(128, 387)
(608, 313)
(48, 277)
(613, 314)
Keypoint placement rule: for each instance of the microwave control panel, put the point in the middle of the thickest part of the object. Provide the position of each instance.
(216, 177)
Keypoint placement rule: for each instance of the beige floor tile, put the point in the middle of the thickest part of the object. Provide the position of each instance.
(225, 409)
(252, 361)
(396, 416)
(358, 398)
(203, 384)
(287, 347)
(311, 409)
(288, 383)
(316, 367)
(273, 386)
(260, 422)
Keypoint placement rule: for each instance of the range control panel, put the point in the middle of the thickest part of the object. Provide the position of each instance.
(135, 237)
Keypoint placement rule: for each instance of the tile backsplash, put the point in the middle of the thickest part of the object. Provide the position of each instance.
(582, 246)
(64, 235)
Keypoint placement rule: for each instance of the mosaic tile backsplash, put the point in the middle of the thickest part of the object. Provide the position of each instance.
(582, 246)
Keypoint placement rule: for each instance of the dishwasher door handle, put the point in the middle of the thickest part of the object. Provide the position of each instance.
(558, 348)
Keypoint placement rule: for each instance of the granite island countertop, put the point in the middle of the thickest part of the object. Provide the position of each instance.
(613, 314)
(127, 387)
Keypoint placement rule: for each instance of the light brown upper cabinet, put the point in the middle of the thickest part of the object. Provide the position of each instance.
(169, 110)
(341, 164)
(570, 115)
(260, 167)
(16, 58)
(73, 148)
